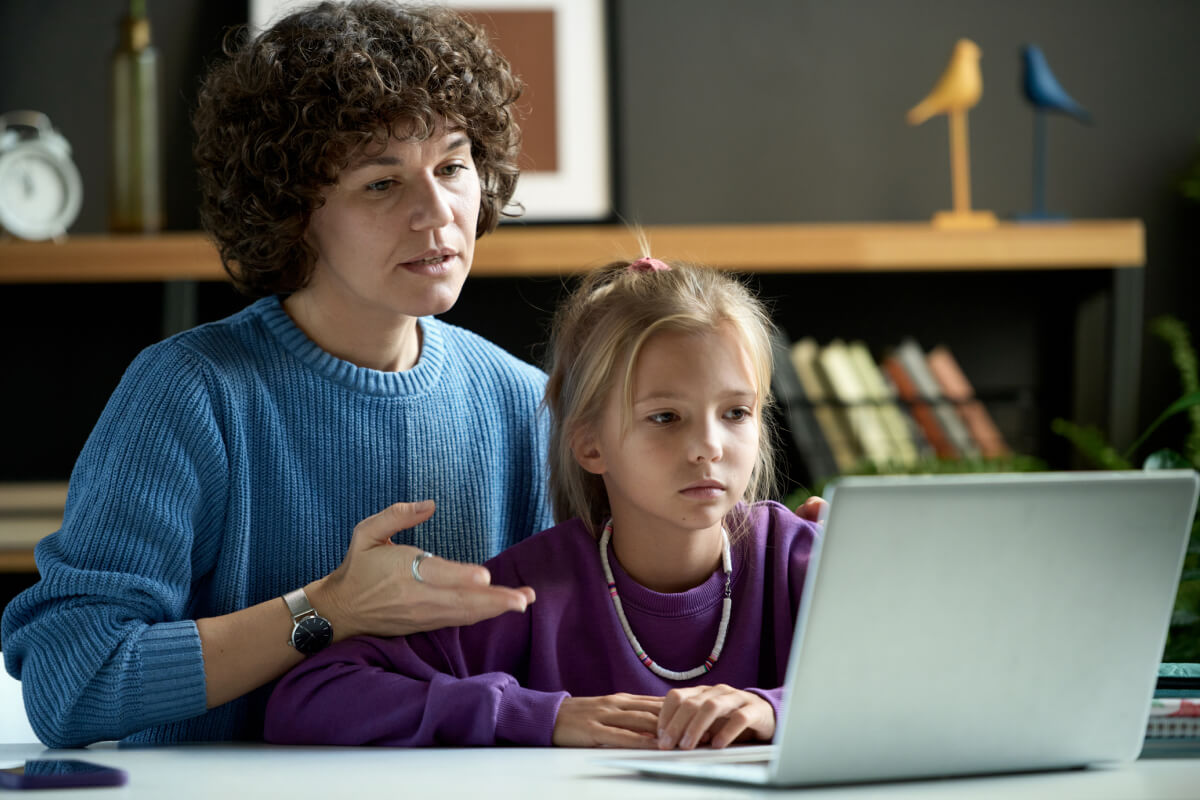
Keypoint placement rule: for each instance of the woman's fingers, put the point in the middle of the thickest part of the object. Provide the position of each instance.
(462, 594)
(379, 528)
(466, 605)
(812, 509)
(442, 572)
(377, 591)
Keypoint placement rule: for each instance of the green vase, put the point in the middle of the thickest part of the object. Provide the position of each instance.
(136, 180)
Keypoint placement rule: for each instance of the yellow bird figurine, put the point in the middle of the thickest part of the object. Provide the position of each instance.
(958, 90)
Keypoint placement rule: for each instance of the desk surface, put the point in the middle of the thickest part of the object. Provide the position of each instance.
(295, 773)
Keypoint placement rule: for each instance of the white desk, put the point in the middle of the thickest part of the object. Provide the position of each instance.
(231, 772)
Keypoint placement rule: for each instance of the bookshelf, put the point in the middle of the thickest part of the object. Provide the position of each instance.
(1115, 248)
(522, 251)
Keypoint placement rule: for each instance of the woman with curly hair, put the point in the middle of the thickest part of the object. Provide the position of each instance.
(236, 506)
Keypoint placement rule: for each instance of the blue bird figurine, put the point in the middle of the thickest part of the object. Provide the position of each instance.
(1043, 90)
(1045, 94)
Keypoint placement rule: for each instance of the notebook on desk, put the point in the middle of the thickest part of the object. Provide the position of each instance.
(972, 624)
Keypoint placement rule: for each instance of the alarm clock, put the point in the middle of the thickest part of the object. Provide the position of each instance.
(40, 188)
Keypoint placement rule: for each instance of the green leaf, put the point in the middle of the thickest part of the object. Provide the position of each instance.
(1182, 404)
(1166, 459)
(1090, 442)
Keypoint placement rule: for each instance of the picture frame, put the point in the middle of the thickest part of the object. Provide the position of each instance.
(559, 48)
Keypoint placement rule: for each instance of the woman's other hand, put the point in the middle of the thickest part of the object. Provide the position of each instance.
(374, 590)
(812, 508)
(614, 720)
(717, 714)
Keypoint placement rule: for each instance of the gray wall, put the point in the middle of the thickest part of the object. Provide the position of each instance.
(773, 110)
(754, 111)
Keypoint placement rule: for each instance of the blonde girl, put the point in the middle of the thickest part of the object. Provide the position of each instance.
(667, 594)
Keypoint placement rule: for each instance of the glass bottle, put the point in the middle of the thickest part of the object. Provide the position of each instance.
(135, 204)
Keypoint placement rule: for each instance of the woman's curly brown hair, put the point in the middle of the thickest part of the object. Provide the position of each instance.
(281, 116)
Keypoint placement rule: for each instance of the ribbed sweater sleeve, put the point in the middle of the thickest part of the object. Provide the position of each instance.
(103, 643)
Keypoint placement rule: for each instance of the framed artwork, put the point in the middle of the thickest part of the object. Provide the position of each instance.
(558, 47)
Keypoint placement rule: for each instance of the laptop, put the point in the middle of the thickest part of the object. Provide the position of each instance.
(972, 624)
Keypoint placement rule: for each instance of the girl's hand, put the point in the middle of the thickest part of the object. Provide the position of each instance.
(614, 720)
(718, 713)
(374, 591)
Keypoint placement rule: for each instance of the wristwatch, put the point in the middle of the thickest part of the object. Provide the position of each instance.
(311, 633)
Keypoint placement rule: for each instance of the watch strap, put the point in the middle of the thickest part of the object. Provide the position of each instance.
(298, 604)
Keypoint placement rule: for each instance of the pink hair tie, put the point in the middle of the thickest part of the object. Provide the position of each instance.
(649, 264)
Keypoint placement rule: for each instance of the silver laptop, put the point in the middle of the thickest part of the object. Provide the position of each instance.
(972, 624)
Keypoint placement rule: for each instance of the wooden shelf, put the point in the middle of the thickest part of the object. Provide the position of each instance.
(28, 512)
(529, 250)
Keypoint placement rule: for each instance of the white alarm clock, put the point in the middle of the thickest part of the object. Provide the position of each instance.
(40, 188)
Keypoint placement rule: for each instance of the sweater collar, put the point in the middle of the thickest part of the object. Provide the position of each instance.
(675, 604)
(417, 380)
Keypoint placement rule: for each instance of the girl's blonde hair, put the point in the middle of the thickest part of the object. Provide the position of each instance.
(596, 337)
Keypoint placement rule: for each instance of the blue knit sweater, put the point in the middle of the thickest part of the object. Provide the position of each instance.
(231, 465)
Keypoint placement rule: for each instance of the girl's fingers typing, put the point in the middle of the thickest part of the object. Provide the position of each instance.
(720, 712)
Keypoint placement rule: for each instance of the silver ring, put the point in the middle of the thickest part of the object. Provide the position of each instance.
(416, 566)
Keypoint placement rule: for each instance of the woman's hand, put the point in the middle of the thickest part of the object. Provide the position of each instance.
(614, 720)
(374, 592)
(812, 508)
(720, 714)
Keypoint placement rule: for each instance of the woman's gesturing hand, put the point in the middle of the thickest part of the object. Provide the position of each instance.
(718, 714)
(614, 720)
(374, 590)
(812, 508)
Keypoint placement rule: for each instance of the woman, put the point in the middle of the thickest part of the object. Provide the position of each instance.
(348, 158)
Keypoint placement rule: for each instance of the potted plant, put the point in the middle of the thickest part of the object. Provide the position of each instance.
(1183, 643)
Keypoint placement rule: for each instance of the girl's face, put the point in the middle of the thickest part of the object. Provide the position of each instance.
(692, 440)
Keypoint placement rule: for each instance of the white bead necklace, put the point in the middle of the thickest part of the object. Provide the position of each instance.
(639, 651)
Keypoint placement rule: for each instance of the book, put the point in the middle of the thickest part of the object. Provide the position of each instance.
(912, 358)
(959, 391)
(835, 363)
(1173, 727)
(904, 448)
(830, 416)
(1174, 718)
(919, 409)
(800, 415)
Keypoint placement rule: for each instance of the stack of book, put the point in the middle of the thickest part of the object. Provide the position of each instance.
(1173, 728)
(846, 411)
(1174, 718)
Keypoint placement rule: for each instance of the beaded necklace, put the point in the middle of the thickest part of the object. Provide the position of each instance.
(639, 651)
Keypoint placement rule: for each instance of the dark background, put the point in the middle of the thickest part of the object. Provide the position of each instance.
(755, 111)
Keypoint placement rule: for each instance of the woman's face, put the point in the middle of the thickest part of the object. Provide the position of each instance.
(396, 234)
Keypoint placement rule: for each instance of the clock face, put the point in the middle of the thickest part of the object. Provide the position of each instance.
(40, 192)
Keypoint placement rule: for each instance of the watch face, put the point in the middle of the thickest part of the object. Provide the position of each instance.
(40, 192)
(312, 635)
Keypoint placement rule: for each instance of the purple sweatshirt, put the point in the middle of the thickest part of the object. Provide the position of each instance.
(502, 680)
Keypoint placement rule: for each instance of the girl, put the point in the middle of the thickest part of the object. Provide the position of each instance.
(665, 598)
